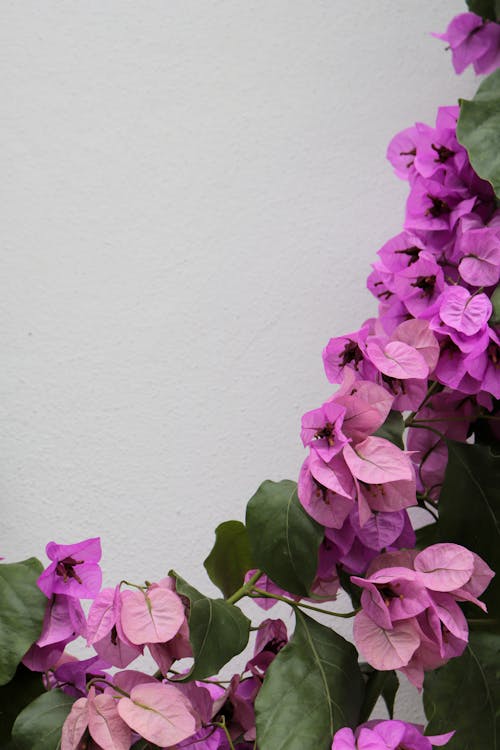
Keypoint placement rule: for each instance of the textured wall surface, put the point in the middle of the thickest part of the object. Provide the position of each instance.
(193, 192)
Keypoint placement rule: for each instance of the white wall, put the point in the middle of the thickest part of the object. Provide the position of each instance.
(193, 192)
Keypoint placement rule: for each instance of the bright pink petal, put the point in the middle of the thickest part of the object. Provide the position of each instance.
(154, 616)
(344, 740)
(445, 566)
(75, 725)
(159, 713)
(464, 312)
(385, 649)
(106, 726)
(376, 460)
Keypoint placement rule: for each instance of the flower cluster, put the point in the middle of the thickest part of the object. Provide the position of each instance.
(410, 619)
(387, 735)
(473, 41)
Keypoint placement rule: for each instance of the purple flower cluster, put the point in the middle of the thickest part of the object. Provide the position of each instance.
(410, 619)
(387, 735)
(445, 265)
(473, 41)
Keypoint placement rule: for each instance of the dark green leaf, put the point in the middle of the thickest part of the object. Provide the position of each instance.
(478, 130)
(39, 725)
(313, 687)
(495, 301)
(21, 613)
(350, 588)
(230, 557)
(465, 695)
(489, 9)
(24, 687)
(378, 684)
(284, 540)
(427, 535)
(393, 429)
(217, 631)
(469, 507)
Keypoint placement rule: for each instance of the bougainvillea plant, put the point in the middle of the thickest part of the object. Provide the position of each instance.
(415, 421)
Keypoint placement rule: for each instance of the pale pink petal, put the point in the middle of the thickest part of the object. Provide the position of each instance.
(334, 475)
(438, 740)
(385, 649)
(464, 312)
(444, 566)
(101, 617)
(376, 460)
(397, 360)
(154, 616)
(159, 713)
(416, 333)
(106, 726)
(75, 725)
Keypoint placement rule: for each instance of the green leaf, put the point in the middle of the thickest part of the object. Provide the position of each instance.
(469, 508)
(230, 557)
(495, 301)
(39, 725)
(465, 695)
(217, 631)
(24, 687)
(478, 130)
(393, 429)
(21, 613)
(378, 684)
(427, 535)
(312, 688)
(489, 9)
(284, 540)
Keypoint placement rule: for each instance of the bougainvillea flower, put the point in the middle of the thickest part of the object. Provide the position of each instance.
(480, 256)
(271, 637)
(74, 570)
(64, 620)
(392, 594)
(420, 285)
(444, 566)
(152, 616)
(366, 404)
(465, 312)
(387, 735)
(73, 674)
(322, 430)
(418, 335)
(473, 41)
(376, 460)
(99, 714)
(385, 648)
(105, 632)
(325, 506)
(160, 713)
(347, 352)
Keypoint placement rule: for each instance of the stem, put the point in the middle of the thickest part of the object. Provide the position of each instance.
(222, 725)
(245, 589)
(106, 682)
(430, 392)
(258, 593)
(134, 585)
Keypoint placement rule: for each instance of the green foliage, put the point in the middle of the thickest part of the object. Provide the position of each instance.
(230, 557)
(217, 631)
(393, 429)
(469, 507)
(313, 688)
(465, 695)
(24, 687)
(39, 725)
(489, 9)
(495, 301)
(21, 613)
(284, 540)
(478, 130)
(378, 684)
